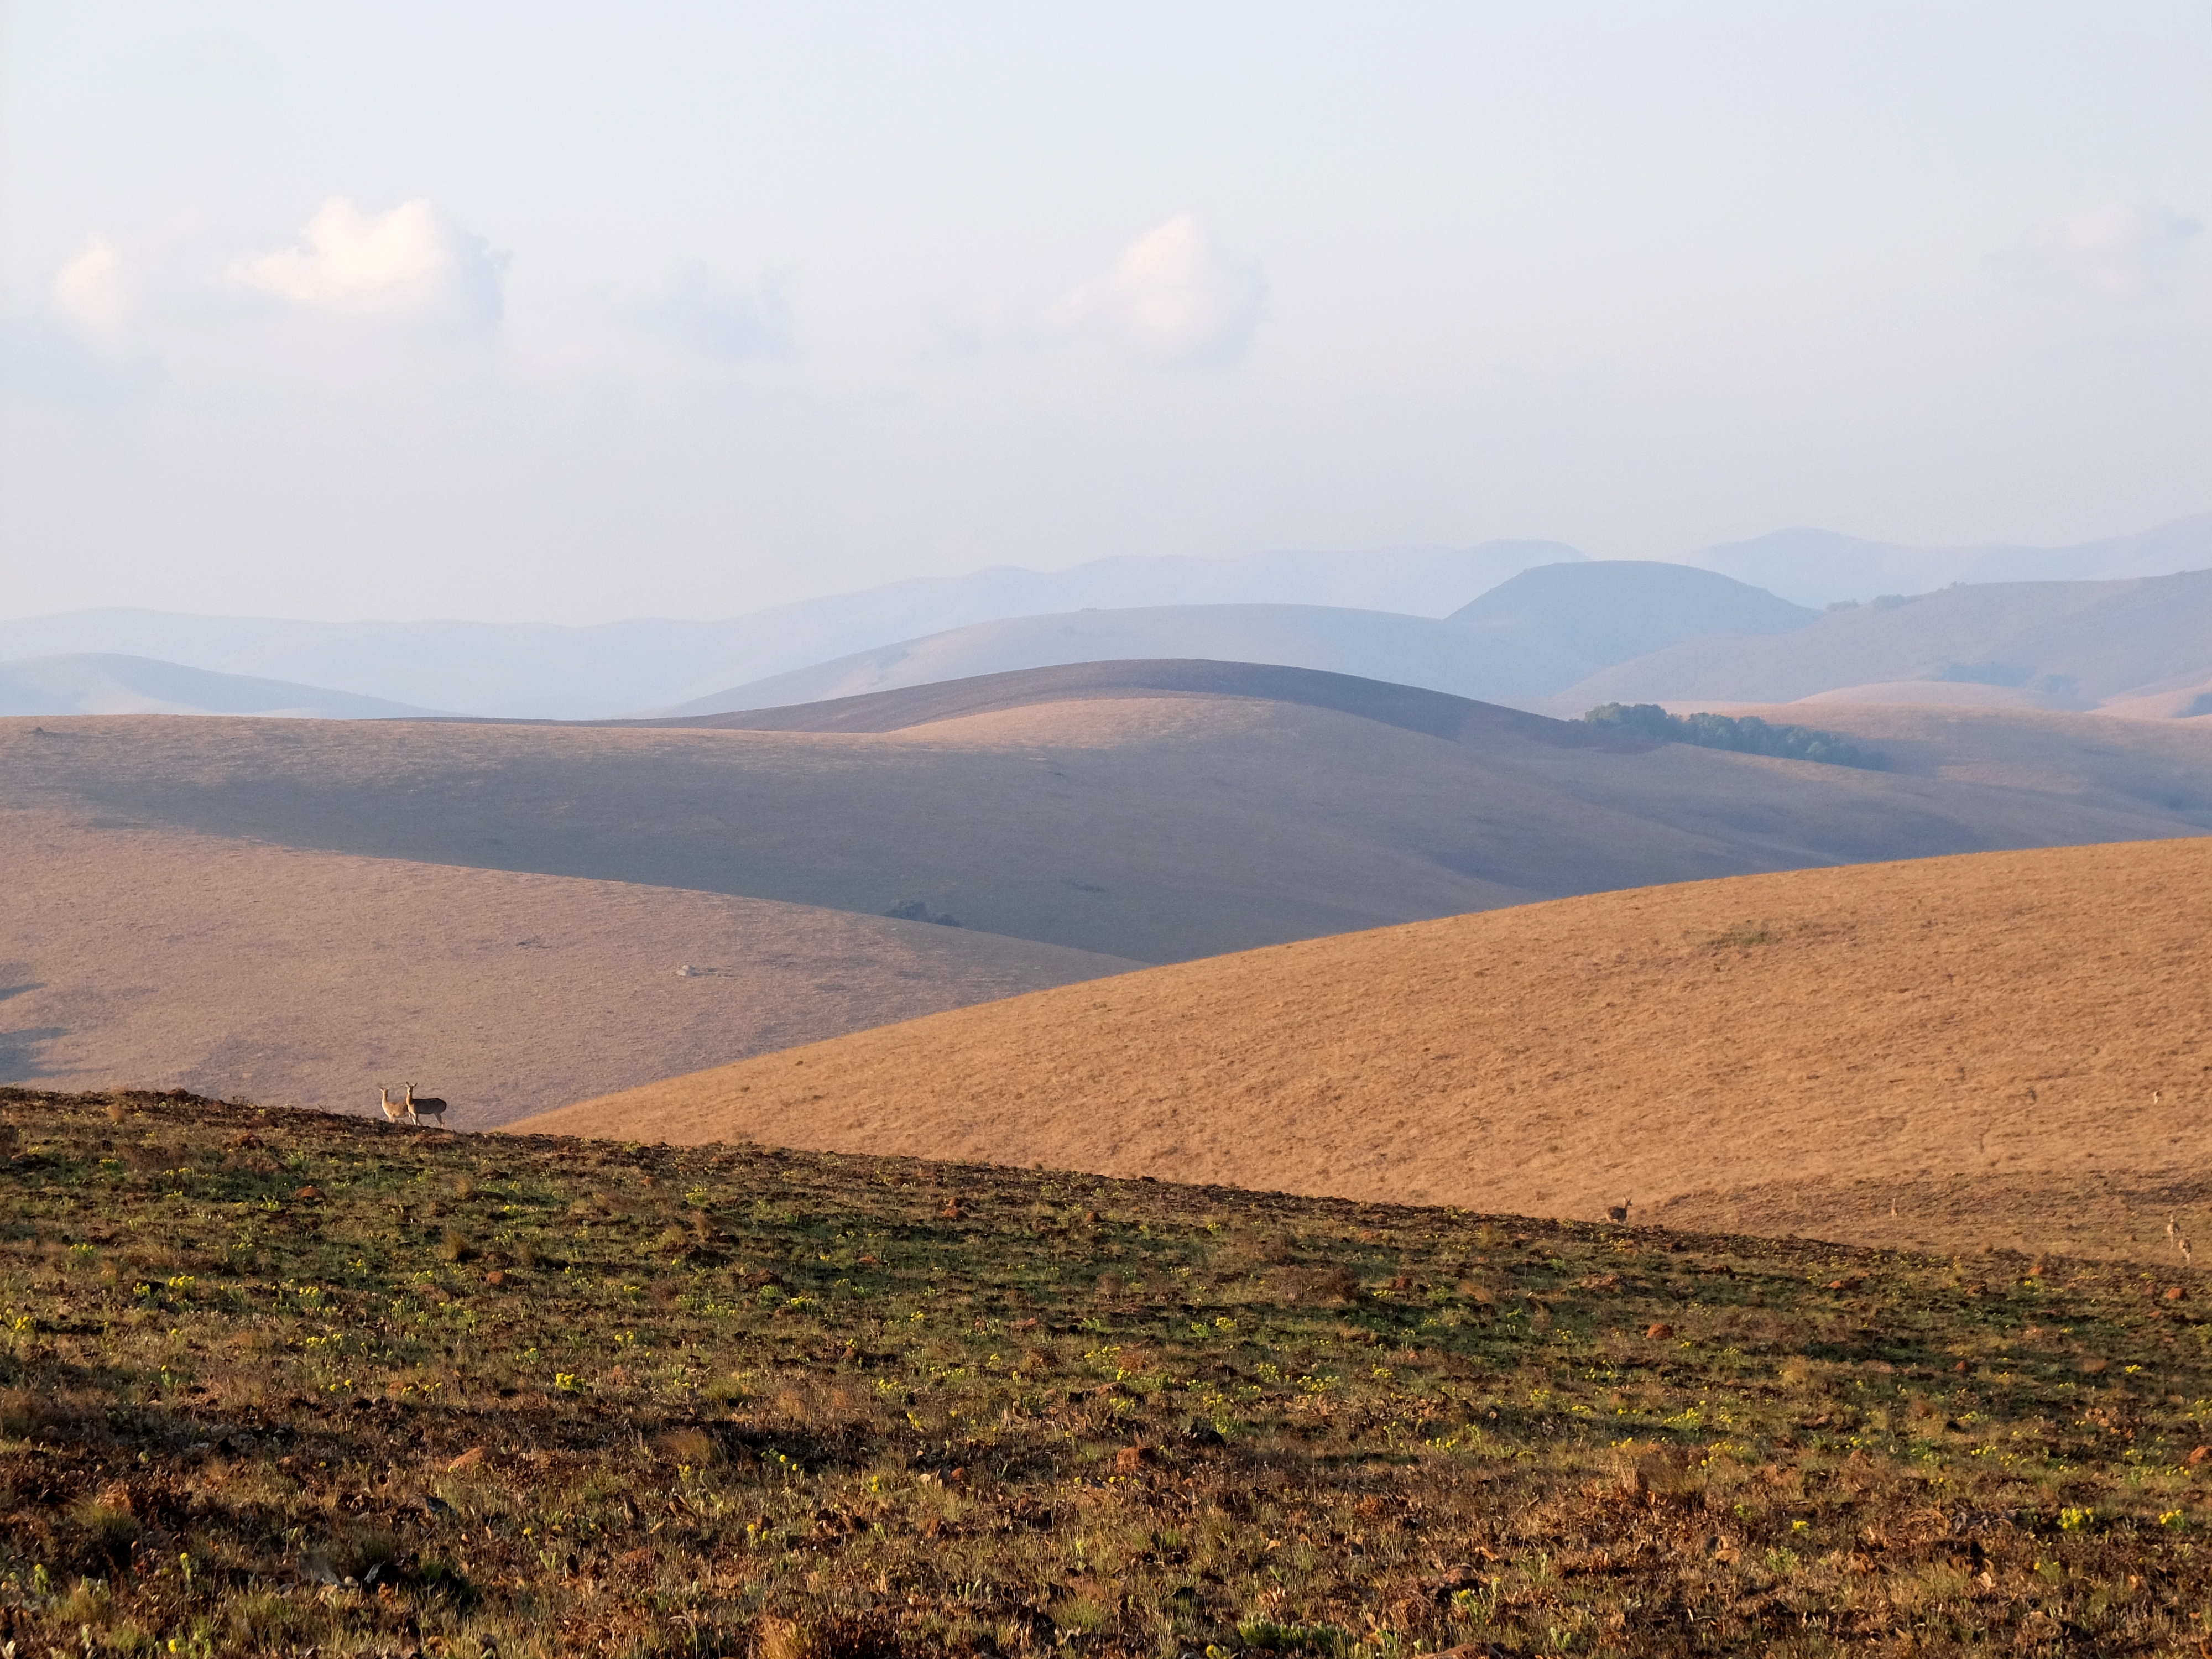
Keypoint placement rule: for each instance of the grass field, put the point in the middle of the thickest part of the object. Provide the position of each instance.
(276, 1382)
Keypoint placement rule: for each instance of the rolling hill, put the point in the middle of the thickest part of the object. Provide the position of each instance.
(2009, 1049)
(96, 685)
(1534, 636)
(1374, 645)
(1820, 567)
(1605, 612)
(2057, 644)
(294, 1383)
(531, 670)
(1148, 824)
(152, 957)
(499, 909)
(537, 671)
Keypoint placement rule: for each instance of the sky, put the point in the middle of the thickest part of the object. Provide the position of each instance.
(561, 312)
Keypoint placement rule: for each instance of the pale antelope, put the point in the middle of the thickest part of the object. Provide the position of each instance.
(393, 1109)
(429, 1107)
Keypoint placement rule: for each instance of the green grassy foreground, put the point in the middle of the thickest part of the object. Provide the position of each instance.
(274, 1381)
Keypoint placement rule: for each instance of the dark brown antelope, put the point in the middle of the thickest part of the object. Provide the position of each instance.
(1619, 1212)
(428, 1107)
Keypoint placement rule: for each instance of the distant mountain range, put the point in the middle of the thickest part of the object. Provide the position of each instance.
(1532, 624)
(2140, 647)
(1534, 635)
(539, 672)
(1820, 567)
(97, 683)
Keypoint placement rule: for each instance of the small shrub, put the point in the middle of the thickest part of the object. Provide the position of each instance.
(1080, 1613)
(1264, 1636)
(108, 1525)
(32, 1414)
(1924, 1417)
(786, 1638)
(148, 1159)
(265, 1620)
(915, 911)
(455, 1245)
(687, 1445)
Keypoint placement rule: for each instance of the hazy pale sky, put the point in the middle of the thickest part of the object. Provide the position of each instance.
(567, 312)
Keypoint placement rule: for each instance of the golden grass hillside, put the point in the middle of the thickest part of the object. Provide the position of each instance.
(2004, 1049)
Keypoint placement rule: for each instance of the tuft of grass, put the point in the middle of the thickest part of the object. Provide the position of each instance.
(874, 1407)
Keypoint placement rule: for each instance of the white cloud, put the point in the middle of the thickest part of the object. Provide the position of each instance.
(2121, 250)
(410, 261)
(89, 295)
(714, 320)
(85, 345)
(1173, 297)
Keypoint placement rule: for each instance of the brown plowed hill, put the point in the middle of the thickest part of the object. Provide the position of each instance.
(2006, 1048)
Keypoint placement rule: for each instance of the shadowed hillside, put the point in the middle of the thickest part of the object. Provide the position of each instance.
(499, 911)
(1409, 707)
(1151, 826)
(1798, 1052)
(175, 959)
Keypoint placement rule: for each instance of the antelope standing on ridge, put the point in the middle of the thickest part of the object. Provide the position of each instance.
(1619, 1212)
(393, 1109)
(429, 1106)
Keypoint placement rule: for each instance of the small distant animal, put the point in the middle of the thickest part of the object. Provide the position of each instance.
(1619, 1212)
(429, 1106)
(393, 1109)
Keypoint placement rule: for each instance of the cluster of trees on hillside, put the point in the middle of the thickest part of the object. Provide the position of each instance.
(1747, 735)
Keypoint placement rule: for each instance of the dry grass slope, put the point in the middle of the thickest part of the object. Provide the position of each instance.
(2004, 1049)
(167, 959)
(297, 911)
(276, 1382)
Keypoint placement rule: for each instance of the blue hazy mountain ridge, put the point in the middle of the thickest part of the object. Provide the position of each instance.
(531, 670)
(1820, 567)
(1606, 611)
(107, 683)
(1535, 635)
(539, 670)
(2068, 644)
